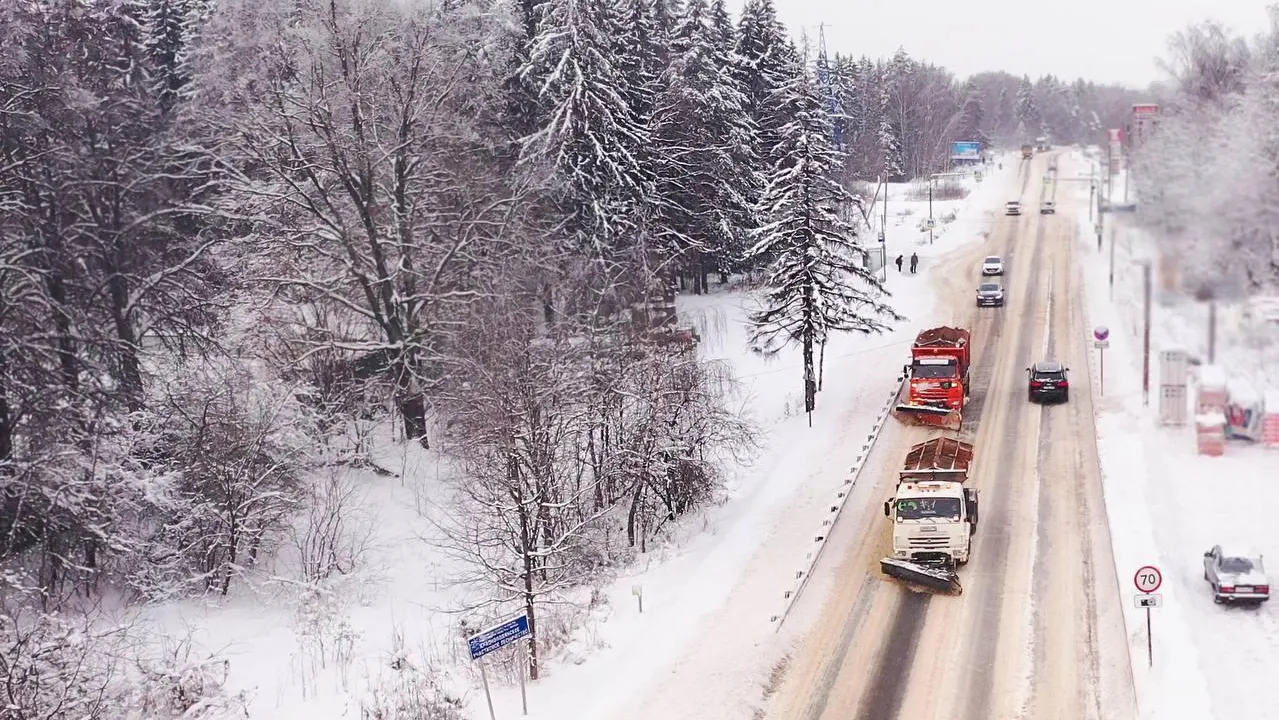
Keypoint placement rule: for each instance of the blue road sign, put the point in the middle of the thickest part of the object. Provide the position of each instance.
(498, 637)
(965, 151)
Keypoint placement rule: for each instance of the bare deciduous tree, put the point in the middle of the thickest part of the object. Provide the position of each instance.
(372, 193)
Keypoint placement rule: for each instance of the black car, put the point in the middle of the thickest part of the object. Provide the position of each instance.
(990, 293)
(1048, 382)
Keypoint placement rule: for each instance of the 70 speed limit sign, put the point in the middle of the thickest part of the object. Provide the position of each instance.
(1148, 579)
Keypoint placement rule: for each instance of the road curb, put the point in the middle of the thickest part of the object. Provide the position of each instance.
(802, 575)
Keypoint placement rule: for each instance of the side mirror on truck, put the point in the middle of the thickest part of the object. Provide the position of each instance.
(888, 508)
(970, 499)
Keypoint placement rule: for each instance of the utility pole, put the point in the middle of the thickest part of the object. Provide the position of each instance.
(1145, 339)
(1112, 262)
(1212, 330)
(931, 180)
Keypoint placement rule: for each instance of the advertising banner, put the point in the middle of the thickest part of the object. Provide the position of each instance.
(965, 151)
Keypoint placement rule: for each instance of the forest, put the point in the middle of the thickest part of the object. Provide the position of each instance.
(244, 245)
(1205, 179)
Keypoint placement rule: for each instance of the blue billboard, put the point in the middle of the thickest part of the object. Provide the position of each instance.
(965, 151)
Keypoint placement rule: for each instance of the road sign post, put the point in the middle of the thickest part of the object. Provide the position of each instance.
(1148, 579)
(1101, 341)
(492, 640)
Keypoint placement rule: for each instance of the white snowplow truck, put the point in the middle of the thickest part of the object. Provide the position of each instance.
(933, 516)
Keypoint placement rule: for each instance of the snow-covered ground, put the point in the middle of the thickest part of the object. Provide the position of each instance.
(704, 643)
(1167, 504)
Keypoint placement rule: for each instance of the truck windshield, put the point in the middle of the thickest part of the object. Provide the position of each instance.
(934, 372)
(920, 508)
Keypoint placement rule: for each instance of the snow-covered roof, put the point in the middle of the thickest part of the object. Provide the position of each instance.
(1239, 550)
(1243, 392)
(1213, 376)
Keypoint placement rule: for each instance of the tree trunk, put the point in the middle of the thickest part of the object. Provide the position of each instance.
(633, 513)
(821, 366)
(810, 380)
(6, 421)
(529, 562)
(127, 350)
(67, 361)
(413, 413)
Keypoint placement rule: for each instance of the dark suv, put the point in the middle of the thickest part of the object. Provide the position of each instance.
(1048, 382)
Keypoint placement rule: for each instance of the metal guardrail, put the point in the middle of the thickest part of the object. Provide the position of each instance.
(791, 596)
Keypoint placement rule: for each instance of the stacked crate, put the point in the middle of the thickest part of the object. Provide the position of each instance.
(1270, 422)
(1210, 410)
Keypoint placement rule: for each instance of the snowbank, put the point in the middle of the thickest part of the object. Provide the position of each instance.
(1174, 687)
(1168, 505)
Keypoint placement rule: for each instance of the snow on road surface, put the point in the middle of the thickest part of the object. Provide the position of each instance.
(1038, 630)
(1168, 505)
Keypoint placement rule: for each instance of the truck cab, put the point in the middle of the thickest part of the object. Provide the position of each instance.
(933, 521)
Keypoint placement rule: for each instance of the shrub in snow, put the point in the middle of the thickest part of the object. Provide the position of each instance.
(405, 689)
(180, 683)
(334, 531)
(53, 667)
(226, 453)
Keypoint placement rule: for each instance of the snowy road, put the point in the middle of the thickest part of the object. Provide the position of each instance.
(1038, 631)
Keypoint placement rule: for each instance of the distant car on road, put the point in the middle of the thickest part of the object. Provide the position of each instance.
(1048, 207)
(1236, 576)
(990, 294)
(992, 265)
(1012, 207)
(1048, 381)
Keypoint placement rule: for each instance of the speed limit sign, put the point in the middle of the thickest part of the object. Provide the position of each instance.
(1148, 579)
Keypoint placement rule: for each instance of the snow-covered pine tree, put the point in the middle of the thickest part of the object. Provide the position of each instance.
(702, 140)
(763, 54)
(589, 129)
(1028, 118)
(1001, 114)
(866, 105)
(970, 125)
(171, 27)
(817, 280)
(891, 157)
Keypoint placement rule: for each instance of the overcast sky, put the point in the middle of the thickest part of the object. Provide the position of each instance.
(1102, 40)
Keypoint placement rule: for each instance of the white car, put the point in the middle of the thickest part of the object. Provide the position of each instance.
(992, 265)
(1048, 207)
(1236, 577)
(1012, 207)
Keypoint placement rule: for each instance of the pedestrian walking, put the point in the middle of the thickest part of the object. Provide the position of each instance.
(914, 262)
(899, 263)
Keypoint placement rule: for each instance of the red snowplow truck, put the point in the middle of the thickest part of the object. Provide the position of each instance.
(936, 387)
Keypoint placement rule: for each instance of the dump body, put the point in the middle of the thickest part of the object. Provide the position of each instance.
(936, 388)
(933, 515)
(938, 459)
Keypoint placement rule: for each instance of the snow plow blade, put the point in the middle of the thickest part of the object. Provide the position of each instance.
(927, 578)
(929, 415)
